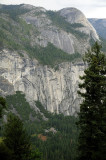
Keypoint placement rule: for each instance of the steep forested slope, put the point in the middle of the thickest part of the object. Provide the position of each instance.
(54, 135)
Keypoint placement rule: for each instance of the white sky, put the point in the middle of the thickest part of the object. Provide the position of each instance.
(91, 8)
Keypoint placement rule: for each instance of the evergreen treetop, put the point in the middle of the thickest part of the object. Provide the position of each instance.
(92, 116)
(16, 138)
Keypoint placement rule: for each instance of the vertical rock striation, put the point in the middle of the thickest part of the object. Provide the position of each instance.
(56, 90)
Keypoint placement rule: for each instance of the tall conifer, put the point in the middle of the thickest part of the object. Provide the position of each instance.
(16, 138)
(92, 116)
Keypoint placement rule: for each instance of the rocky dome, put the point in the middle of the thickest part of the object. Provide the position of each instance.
(73, 15)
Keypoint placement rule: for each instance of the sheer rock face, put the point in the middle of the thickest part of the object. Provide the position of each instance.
(56, 90)
(50, 32)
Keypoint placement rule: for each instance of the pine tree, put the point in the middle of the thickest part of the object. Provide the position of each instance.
(2, 105)
(5, 153)
(16, 138)
(92, 116)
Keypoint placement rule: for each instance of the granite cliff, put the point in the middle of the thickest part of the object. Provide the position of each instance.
(20, 64)
(67, 29)
(56, 90)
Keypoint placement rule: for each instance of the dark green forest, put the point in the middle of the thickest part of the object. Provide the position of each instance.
(60, 144)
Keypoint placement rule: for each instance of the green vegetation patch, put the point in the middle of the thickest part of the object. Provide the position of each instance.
(13, 10)
(31, 119)
(51, 55)
(1, 139)
(57, 145)
(103, 45)
(63, 143)
(17, 35)
(60, 22)
(19, 102)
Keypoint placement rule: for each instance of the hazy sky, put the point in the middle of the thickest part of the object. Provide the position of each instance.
(91, 8)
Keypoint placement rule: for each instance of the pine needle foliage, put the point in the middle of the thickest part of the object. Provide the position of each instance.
(92, 116)
(16, 138)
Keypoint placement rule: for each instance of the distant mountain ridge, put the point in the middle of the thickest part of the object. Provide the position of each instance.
(99, 25)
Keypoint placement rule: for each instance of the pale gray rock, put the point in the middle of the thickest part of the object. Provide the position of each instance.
(6, 88)
(49, 32)
(31, 7)
(56, 90)
(73, 15)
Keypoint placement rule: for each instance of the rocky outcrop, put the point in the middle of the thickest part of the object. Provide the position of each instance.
(56, 90)
(50, 32)
(73, 15)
